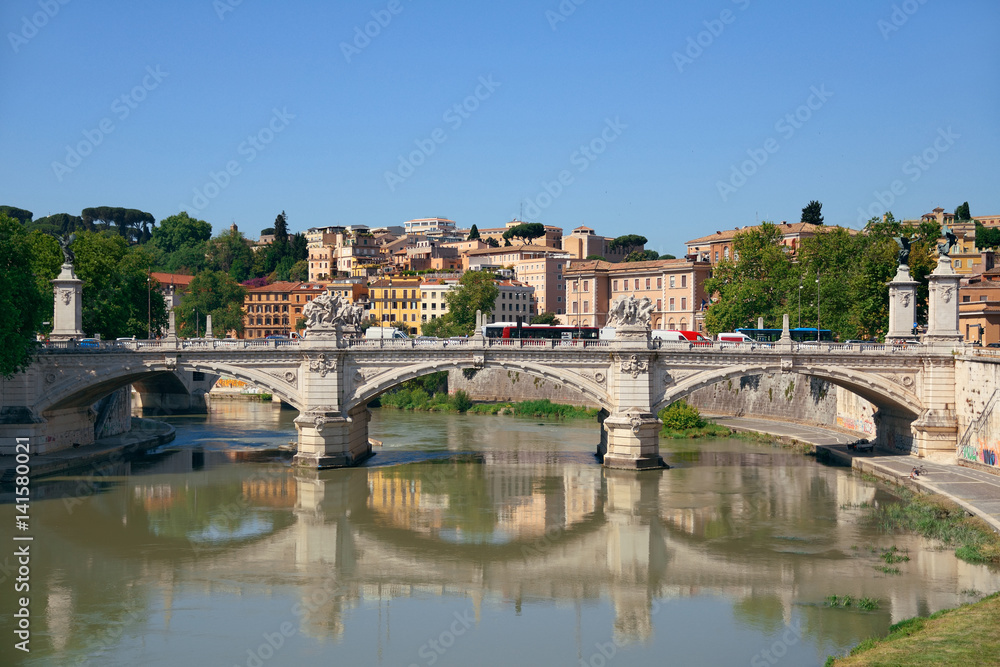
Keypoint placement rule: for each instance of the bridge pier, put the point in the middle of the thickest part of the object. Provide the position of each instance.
(630, 440)
(327, 439)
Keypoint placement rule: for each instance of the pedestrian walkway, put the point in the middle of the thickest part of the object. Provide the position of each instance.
(976, 491)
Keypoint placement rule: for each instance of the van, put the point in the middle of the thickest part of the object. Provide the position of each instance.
(384, 333)
(607, 333)
(678, 335)
(734, 337)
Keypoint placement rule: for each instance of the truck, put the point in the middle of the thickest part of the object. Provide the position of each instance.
(383, 333)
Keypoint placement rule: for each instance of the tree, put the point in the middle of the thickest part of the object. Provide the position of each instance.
(116, 288)
(46, 259)
(21, 301)
(300, 271)
(281, 228)
(19, 214)
(642, 256)
(477, 290)
(545, 318)
(180, 230)
(179, 243)
(230, 252)
(755, 283)
(131, 224)
(627, 243)
(987, 237)
(473, 233)
(596, 257)
(215, 293)
(963, 213)
(813, 213)
(58, 224)
(526, 232)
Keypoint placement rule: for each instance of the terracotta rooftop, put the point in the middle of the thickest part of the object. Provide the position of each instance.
(786, 228)
(171, 278)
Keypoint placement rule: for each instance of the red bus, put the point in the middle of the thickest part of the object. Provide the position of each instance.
(517, 330)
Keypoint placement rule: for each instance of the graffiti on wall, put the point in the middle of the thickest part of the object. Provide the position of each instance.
(980, 452)
(866, 426)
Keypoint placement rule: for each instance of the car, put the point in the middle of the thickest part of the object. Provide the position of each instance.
(862, 445)
(91, 343)
(276, 337)
(861, 342)
(992, 344)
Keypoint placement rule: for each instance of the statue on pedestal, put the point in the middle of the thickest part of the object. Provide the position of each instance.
(332, 314)
(950, 243)
(903, 257)
(628, 311)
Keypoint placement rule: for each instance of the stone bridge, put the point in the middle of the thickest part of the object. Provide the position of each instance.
(332, 381)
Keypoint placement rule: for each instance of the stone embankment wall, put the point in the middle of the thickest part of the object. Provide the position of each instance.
(779, 396)
(977, 395)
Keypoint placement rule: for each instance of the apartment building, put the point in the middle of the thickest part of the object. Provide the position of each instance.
(979, 309)
(322, 263)
(539, 267)
(514, 303)
(432, 226)
(675, 286)
(433, 303)
(396, 300)
(275, 308)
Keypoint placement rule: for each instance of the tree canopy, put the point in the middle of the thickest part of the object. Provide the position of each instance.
(473, 233)
(131, 224)
(19, 214)
(215, 293)
(477, 290)
(117, 297)
(58, 224)
(545, 318)
(21, 300)
(627, 243)
(525, 232)
(643, 256)
(963, 213)
(813, 213)
(230, 252)
(987, 237)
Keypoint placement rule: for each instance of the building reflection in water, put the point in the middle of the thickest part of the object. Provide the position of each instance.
(772, 538)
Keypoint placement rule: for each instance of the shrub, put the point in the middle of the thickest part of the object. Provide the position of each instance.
(680, 416)
(461, 401)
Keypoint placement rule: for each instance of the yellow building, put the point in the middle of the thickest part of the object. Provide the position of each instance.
(396, 300)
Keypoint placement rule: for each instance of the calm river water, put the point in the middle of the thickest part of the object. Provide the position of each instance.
(467, 540)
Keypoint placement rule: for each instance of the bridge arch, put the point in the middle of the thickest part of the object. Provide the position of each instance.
(373, 387)
(78, 390)
(872, 387)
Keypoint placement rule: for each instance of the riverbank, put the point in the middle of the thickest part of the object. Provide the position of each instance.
(960, 636)
(145, 434)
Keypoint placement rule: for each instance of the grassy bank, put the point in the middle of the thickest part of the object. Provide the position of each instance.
(681, 421)
(541, 408)
(937, 518)
(962, 636)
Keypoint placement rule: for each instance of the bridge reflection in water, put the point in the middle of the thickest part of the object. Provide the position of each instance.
(766, 534)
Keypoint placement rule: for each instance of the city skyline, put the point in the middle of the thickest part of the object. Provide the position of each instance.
(665, 122)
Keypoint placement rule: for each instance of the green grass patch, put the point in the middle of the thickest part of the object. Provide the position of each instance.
(936, 518)
(541, 408)
(961, 636)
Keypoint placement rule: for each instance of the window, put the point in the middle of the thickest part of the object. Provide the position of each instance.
(659, 304)
(684, 303)
(672, 283)
(586, 306)
(672, 303)
(576, 285)
(648, 283)
(614, 285)
(982, 298)
(966, 299)
(716, 255)
(586, 285)
(725, 253)
(574, 307)
(684, 281)
(659, 282)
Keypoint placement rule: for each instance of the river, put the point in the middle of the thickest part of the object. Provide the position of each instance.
(466, 540)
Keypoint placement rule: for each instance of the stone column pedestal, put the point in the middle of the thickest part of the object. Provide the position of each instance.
(67, 320)
(942, 304)
(902, 305)
(330, 440)
(632, 440)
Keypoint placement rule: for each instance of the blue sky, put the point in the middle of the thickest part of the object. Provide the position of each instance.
(670, 120)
